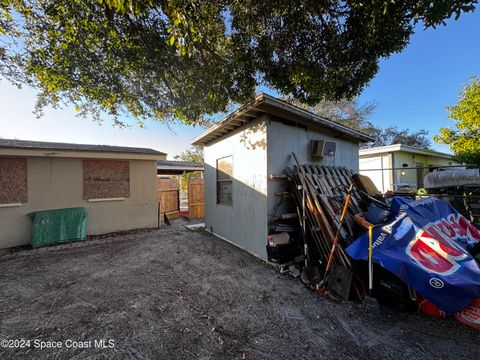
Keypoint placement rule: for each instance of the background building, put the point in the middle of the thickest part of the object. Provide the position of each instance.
(117, 186)
(390, 167)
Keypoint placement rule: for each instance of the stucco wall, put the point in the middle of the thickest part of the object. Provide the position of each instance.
(284, 139)
(244, 223)
(58, 183)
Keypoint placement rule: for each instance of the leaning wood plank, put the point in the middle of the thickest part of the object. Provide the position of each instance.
(331, 179)
(312, 222)
(302, 177)
(336, 179)
(320, 177)
(285, 217)
(320, 214)
(326, 180)
(346, 180)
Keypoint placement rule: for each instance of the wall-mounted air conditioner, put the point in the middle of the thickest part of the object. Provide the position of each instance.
(323, 148)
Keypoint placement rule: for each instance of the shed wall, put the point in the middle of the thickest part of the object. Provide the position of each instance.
(245, 222)
(58, 183)
(283, 139)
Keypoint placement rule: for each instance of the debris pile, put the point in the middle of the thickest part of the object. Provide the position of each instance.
(320, 194)
(350, 242)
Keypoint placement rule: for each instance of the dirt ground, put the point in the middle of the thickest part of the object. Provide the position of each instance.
(174, 294)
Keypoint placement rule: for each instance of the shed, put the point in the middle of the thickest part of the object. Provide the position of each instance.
(398, 166)
(117, 185)
(257, 141)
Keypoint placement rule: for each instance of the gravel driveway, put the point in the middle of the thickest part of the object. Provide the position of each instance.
(174, 294)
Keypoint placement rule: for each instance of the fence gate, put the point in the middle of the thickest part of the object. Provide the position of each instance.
(196, 198)
(168, 195)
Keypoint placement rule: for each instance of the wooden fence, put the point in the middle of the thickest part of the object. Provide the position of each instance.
(168, 195)
(196, 198)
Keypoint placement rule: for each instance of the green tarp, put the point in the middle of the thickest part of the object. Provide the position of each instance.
(58, 226)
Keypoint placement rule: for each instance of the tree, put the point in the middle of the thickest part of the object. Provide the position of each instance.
(464, 138)
(178, 60)
(357, 116)
(347, 112)
(392, 135)
(194, 154)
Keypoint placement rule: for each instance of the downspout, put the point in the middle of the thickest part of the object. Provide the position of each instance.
(383, 177)
(392, 166)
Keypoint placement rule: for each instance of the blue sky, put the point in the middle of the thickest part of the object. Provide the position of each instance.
(411, 91)
(413, 88)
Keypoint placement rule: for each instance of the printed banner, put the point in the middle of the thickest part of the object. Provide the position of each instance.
(425, 243)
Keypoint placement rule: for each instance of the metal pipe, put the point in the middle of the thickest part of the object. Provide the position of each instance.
(450, 196)
(422, 167)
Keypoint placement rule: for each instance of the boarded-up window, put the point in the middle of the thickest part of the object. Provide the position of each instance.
(224, 180)
(13, 180)
(106, 179)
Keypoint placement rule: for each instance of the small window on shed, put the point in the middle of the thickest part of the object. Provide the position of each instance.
(13, 180)
(224, 180)
(106, 179)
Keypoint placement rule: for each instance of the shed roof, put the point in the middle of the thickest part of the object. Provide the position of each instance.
(173, 167)
(405, 148)
(267, 104)
(41, 145)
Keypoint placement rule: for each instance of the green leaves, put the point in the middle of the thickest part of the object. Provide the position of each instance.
(393, 135)
(127, 6)
(180, 60)
(464, 138)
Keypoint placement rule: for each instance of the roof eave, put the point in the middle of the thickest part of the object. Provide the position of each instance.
(234, 117)
(264, 103)
(405, 148)
(180, 168)
(315, 119)
(28, 152)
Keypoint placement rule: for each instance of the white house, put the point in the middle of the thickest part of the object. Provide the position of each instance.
(398, 166)
(254, 142)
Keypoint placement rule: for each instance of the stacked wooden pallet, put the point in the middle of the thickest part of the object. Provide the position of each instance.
(319, 193)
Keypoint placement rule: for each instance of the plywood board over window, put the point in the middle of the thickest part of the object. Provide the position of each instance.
(13, 180)
(106, 179)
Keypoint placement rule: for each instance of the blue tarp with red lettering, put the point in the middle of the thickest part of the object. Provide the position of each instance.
(425, 243)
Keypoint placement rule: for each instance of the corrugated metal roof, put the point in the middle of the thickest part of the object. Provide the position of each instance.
(179, 164)
(41, 145)
(174, 167)
(266, 104)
